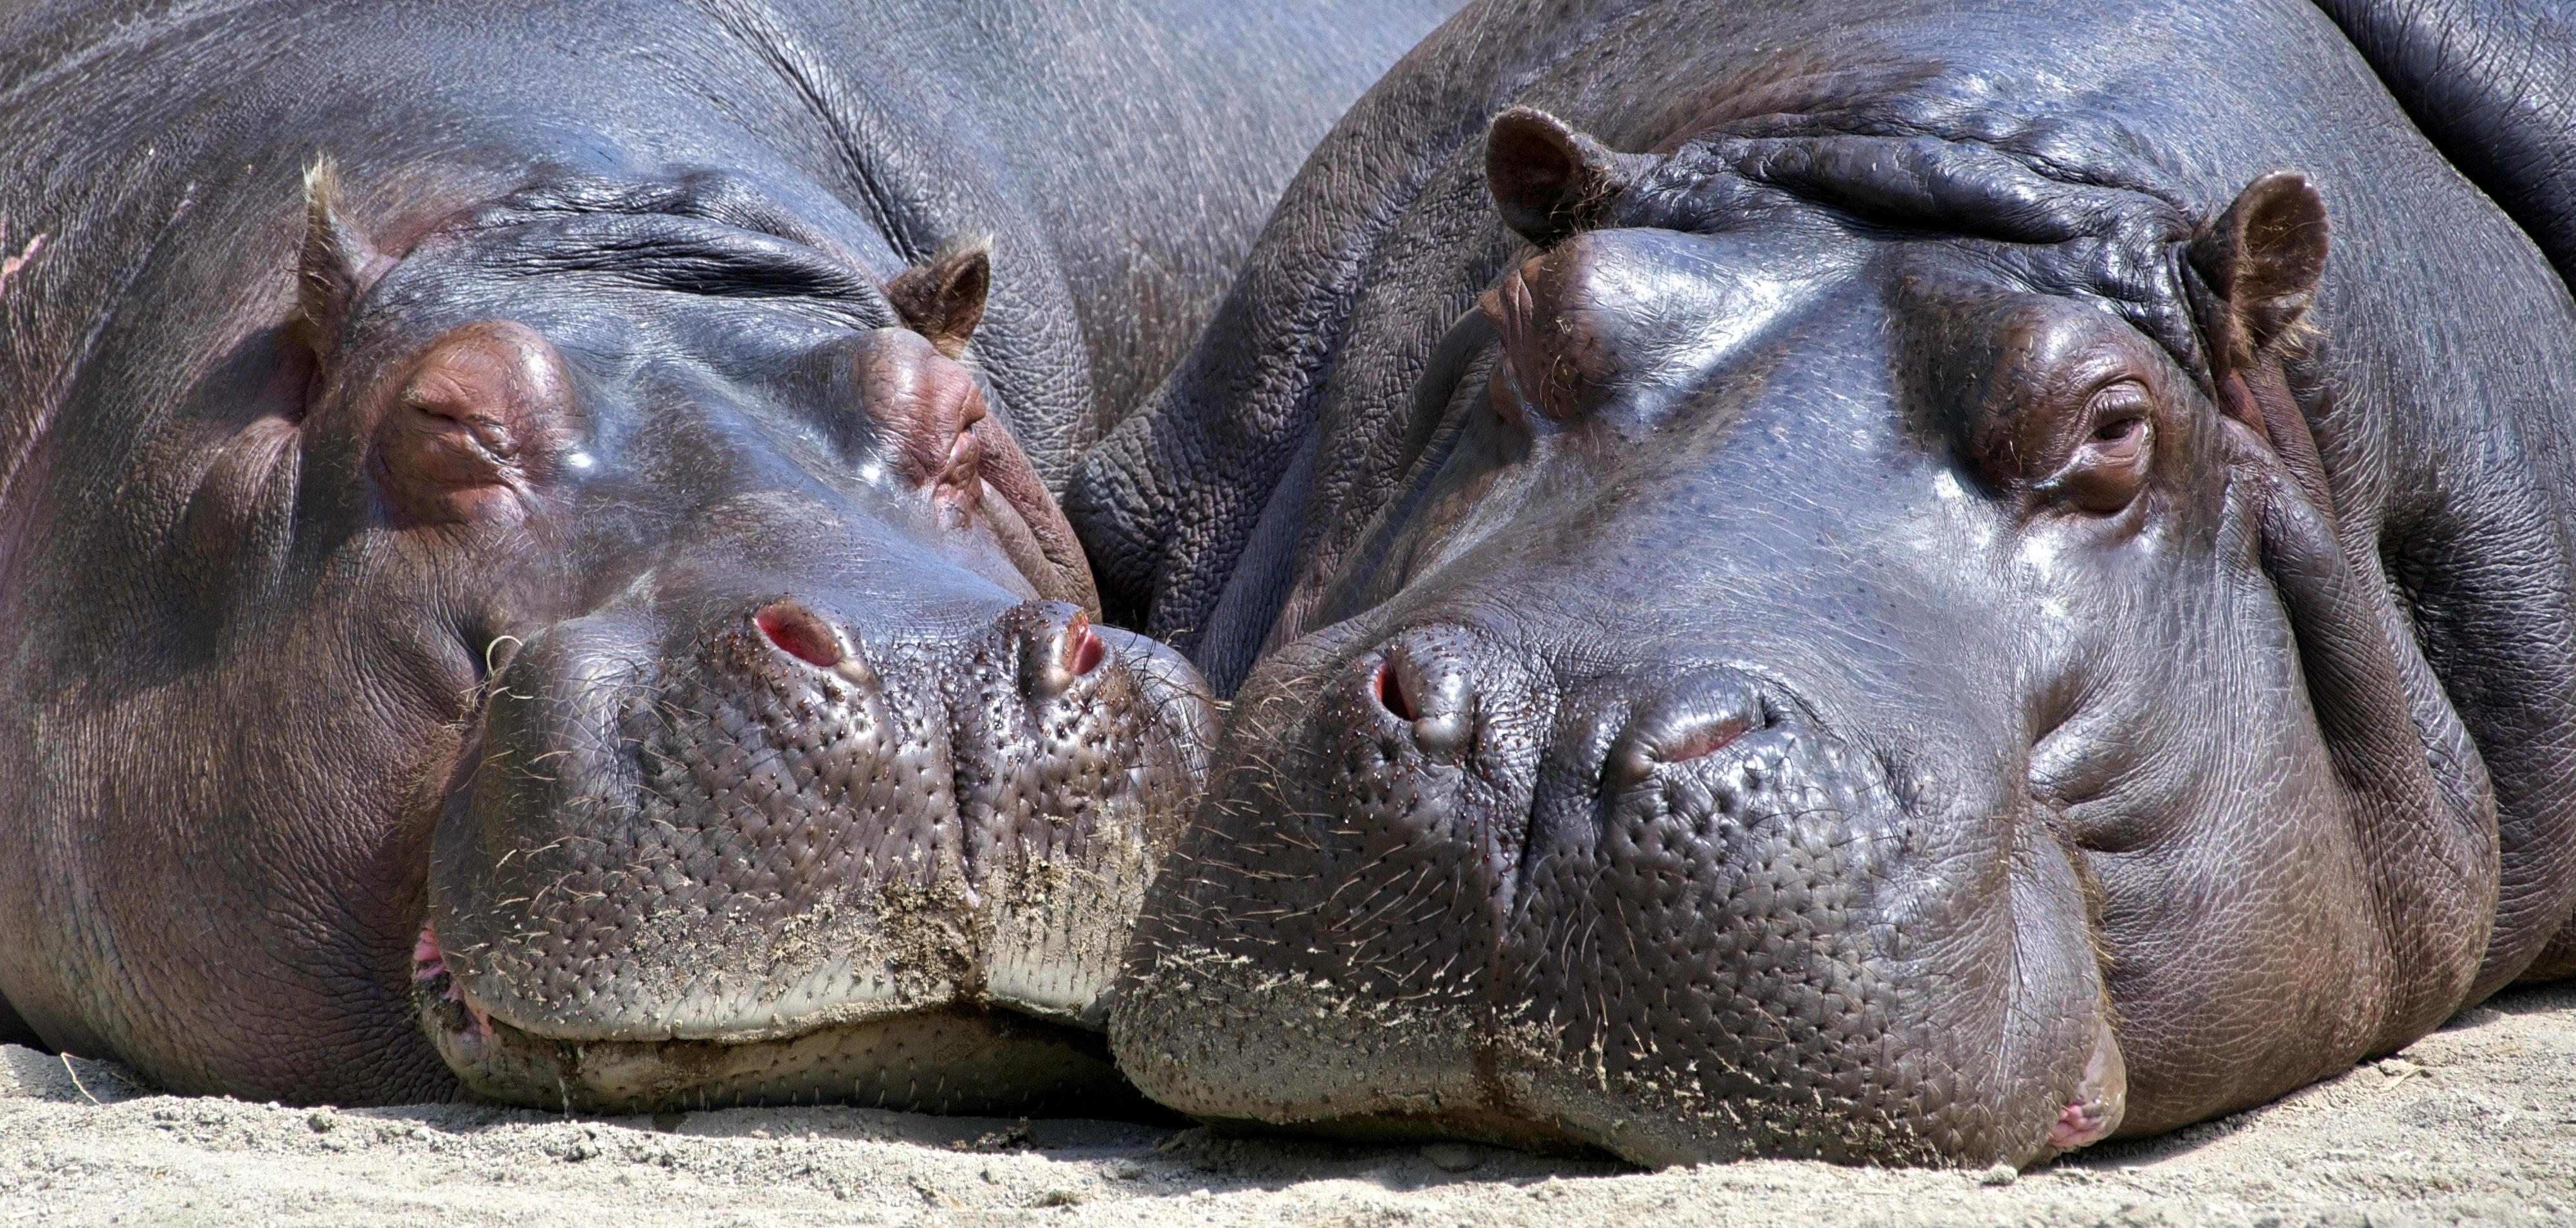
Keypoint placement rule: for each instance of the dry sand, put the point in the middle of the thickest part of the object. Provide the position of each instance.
(2474, 1124)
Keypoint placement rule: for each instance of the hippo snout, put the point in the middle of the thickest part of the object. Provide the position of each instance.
(1543, 896)
(783, 846)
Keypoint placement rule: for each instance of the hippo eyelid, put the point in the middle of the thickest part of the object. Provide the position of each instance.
(2104, 477)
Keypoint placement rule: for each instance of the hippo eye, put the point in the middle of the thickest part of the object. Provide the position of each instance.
(473, 424)
(2110, 465)
(2120, 436)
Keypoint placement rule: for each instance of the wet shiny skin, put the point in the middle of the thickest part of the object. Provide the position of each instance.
(1727, 658)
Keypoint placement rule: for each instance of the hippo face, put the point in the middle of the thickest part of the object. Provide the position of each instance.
(1823, 687)
(790, 764)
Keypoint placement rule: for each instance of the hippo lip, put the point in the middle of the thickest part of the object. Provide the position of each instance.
(430, 976)
(2100, 1099)
(973, 1060)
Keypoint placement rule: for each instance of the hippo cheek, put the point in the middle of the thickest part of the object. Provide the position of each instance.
(776, 864)
(1678, 921)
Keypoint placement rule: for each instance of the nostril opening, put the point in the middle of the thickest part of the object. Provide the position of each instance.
(799, 633)
(1084, 654)
(1054, 655)
(1708, 739)
(1390, 693)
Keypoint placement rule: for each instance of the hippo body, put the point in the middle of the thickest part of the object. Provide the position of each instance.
(513, 565)
(1861, 580)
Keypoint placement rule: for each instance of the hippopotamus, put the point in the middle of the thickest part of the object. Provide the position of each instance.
(527, 533)
(1888, 582)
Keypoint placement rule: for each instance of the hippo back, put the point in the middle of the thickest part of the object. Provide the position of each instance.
(2493, 83)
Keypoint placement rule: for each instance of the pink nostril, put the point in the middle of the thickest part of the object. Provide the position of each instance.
(1083, 650)
(799, 634)
(1708, 740)
(1058, 656)
(1390, 693)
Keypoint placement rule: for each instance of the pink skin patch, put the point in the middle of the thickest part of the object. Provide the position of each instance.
(1708, 740)
(2100, 1098)
(2080, 1125)
(428, 963)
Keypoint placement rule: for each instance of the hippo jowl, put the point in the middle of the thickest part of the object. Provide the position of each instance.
(511, 553)
(1873, 580)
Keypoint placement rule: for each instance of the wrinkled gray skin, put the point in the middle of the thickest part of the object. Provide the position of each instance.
(1904, 604)
(549, 601)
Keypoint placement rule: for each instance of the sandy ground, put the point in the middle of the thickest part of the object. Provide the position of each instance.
(2475, 1124)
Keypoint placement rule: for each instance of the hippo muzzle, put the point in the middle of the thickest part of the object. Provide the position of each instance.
(1669, 912)
(750, 849)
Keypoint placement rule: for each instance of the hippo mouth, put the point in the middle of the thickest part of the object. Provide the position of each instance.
(961, 1058)
(761, 868)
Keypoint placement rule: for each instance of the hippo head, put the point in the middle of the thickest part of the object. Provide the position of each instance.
(789, 762)
(1858, 664)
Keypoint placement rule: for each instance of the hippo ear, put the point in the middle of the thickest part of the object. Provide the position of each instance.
(1549, 180)
(337, 262)
(2254, 270)
(2260, 261)
(943, 299)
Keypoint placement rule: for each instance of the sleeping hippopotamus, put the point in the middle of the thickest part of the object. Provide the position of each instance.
(516, 569)
(1878, 581)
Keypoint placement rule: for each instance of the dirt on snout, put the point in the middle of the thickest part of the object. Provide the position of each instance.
(2474, 1124)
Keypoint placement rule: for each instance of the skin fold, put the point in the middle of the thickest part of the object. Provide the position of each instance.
(1881, 581)
(528, 542)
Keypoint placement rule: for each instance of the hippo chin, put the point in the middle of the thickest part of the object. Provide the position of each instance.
(546, 601)
(1855, 581)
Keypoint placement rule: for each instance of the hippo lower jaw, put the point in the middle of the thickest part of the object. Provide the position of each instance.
(1216, 1037)
(938, 999)
(1233, 1045)
(933, 997)
(953, 1057)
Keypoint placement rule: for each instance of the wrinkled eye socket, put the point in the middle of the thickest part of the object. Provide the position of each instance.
(960, 479)
(925, 411)
(1521, 362)
(2110, 465)
(475, 423)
